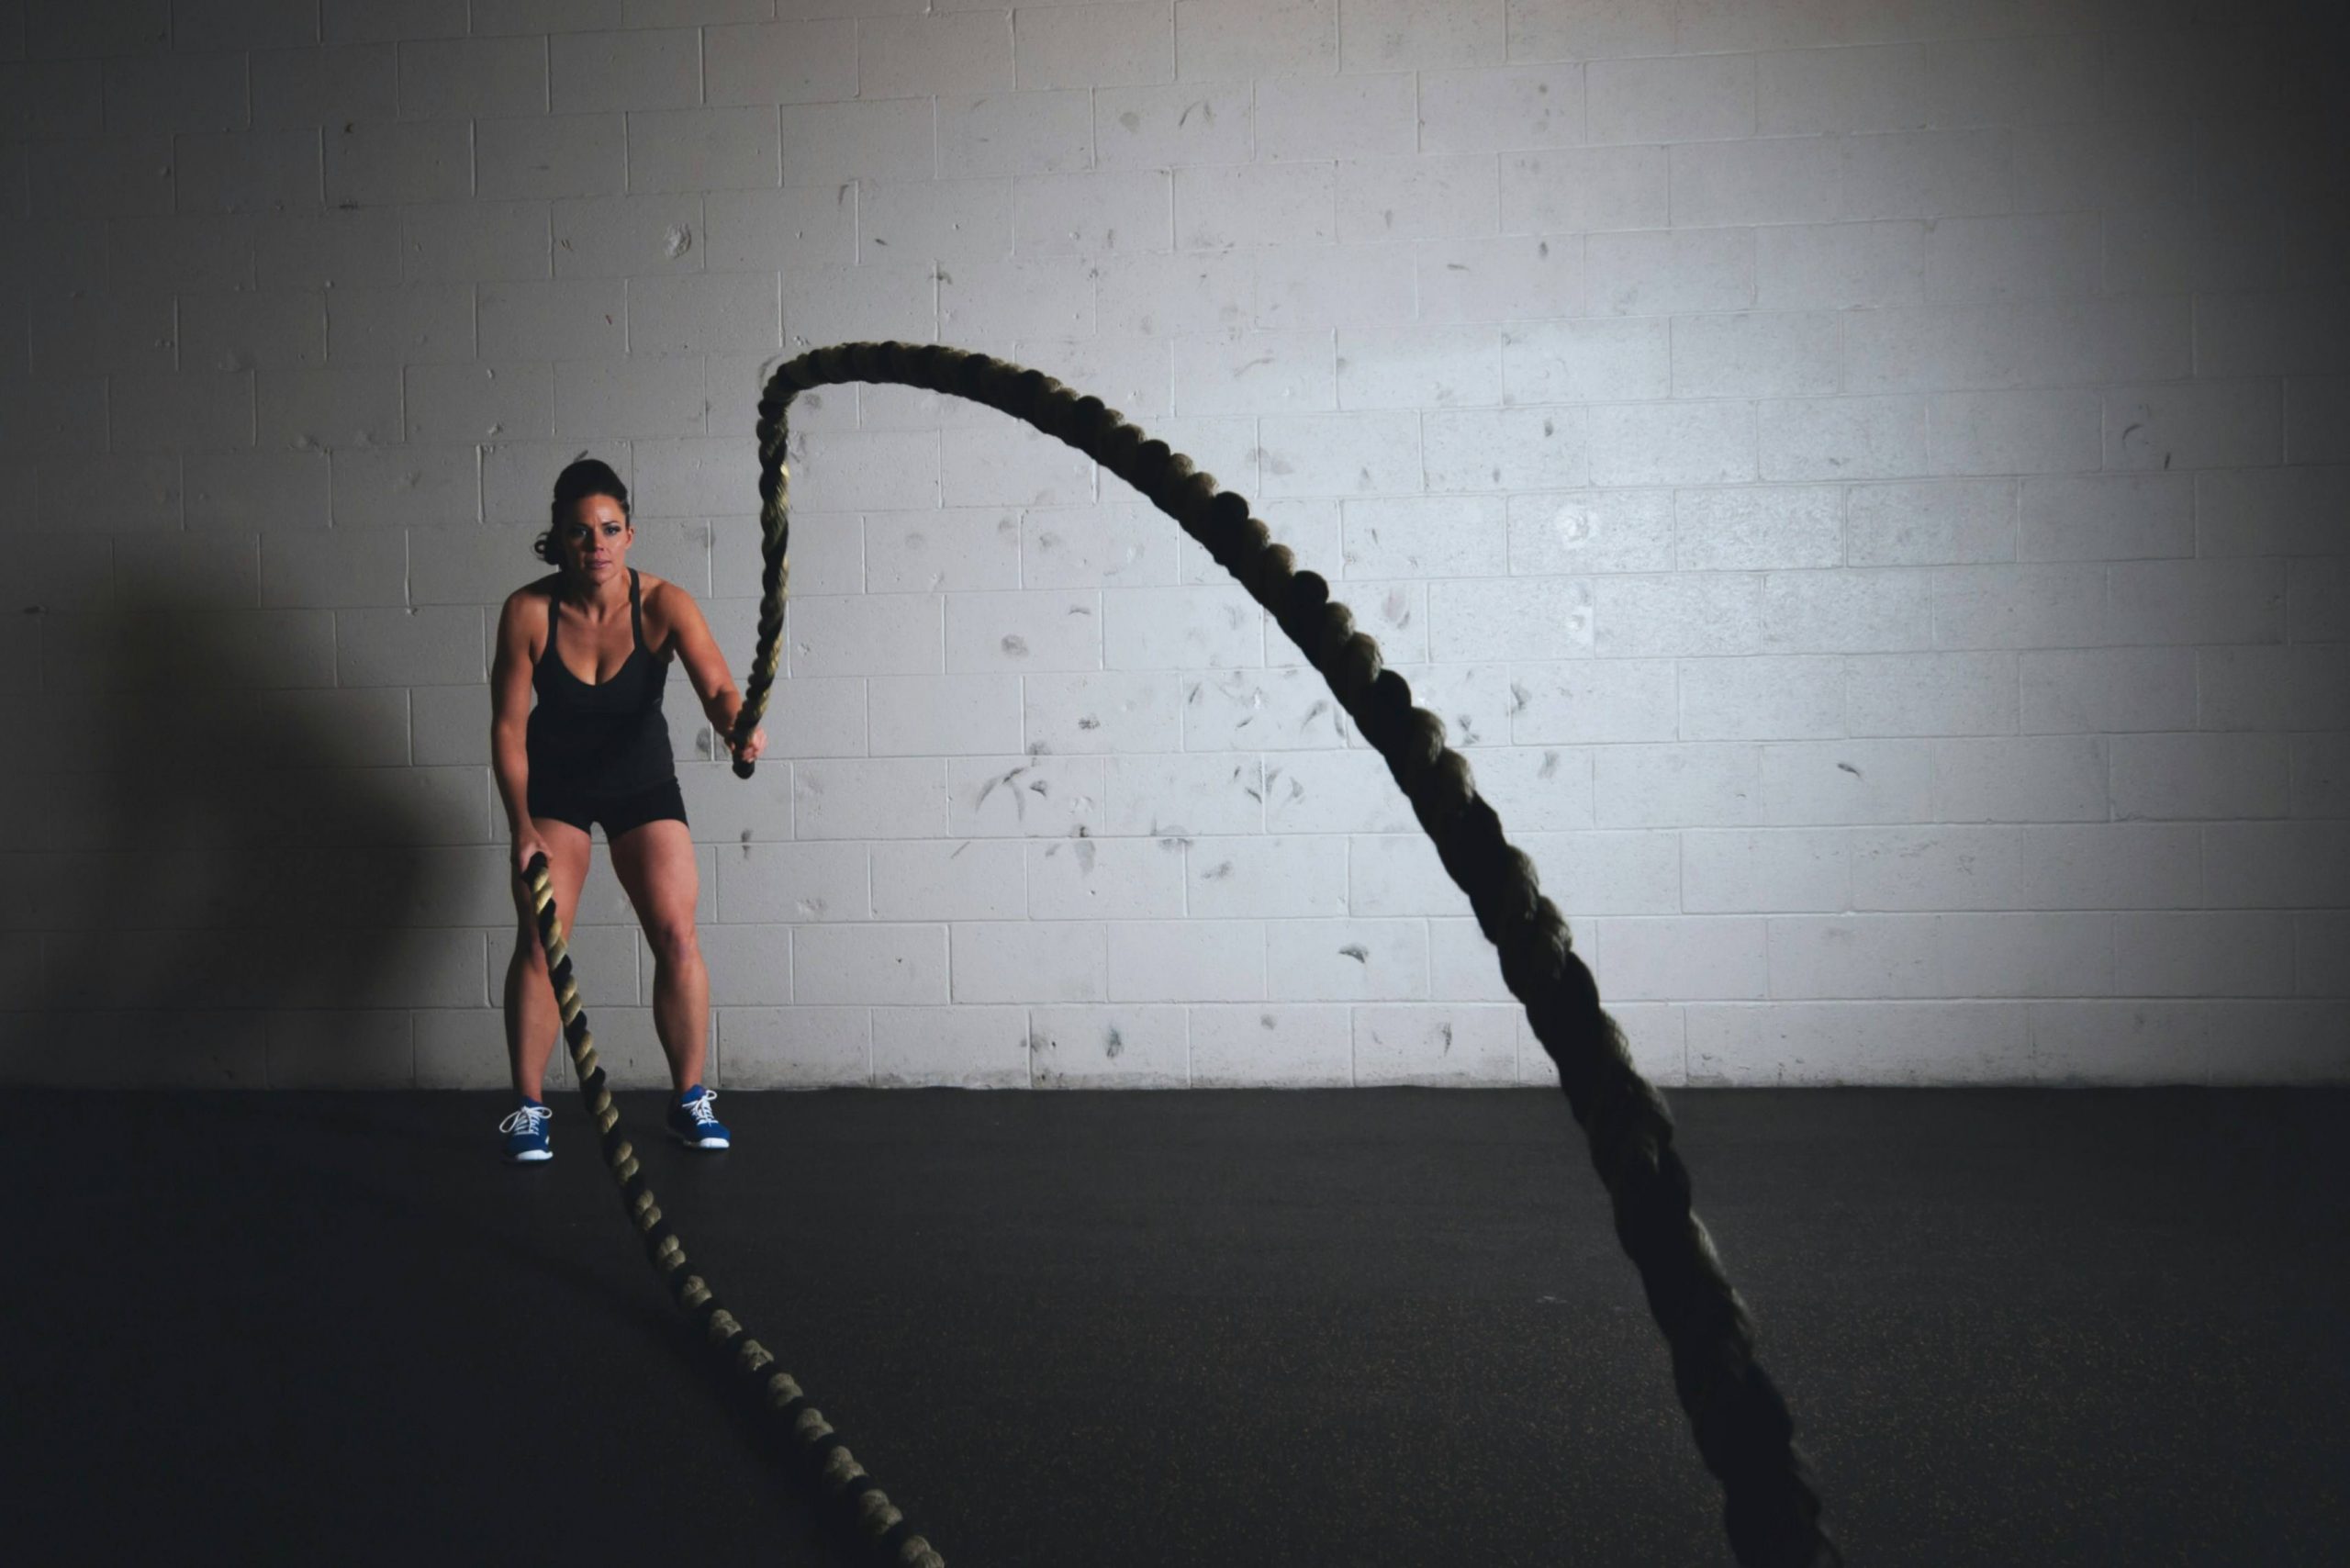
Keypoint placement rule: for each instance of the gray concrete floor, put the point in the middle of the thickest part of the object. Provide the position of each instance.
(1386, 1326)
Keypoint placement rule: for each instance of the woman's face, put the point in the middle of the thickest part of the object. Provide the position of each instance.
(595, 541)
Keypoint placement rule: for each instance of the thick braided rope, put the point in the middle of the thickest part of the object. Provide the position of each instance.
(810, 1434)
(1741, 1425)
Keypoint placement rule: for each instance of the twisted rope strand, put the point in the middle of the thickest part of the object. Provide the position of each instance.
(1742, 1428)
(786, 1404)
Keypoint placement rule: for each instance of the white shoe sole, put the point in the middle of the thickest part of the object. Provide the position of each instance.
(702, 1143)
(533, 1158)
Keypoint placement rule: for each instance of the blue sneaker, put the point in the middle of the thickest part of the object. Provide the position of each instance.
(692, 1123)
(526, 1134)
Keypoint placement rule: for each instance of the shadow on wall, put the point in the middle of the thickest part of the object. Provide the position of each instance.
(231, 881)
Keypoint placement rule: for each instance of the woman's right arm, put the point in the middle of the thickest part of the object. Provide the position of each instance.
(509, 715)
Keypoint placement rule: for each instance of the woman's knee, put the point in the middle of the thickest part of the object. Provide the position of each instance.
(673, 941)
(528, 953)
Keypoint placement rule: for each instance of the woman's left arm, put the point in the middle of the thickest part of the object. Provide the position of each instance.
(706, 669)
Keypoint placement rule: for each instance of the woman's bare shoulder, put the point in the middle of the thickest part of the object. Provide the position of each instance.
(526, 602)
(667, 598)
(665, 603)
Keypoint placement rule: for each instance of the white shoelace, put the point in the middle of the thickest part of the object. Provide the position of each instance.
(702, 1115)
(525, 1118)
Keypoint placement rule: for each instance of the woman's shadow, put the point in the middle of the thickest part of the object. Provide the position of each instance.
(235, 879)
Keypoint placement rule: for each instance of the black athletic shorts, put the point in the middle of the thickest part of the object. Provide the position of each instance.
(618, 813)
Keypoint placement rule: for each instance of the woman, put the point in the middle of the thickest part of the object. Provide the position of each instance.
(594, 641)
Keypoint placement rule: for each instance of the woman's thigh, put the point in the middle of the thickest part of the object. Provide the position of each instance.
(657, 868)
(567, 850)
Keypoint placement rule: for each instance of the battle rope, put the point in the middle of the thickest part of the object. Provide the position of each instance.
(1741, 1425)
(785, 1404)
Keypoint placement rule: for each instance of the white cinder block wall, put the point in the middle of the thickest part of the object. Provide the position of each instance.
(1865, 484)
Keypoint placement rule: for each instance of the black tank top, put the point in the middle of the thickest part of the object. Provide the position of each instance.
(596, 739)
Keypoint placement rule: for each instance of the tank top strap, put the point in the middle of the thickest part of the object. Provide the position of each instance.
(553, 620)
(637, 609)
